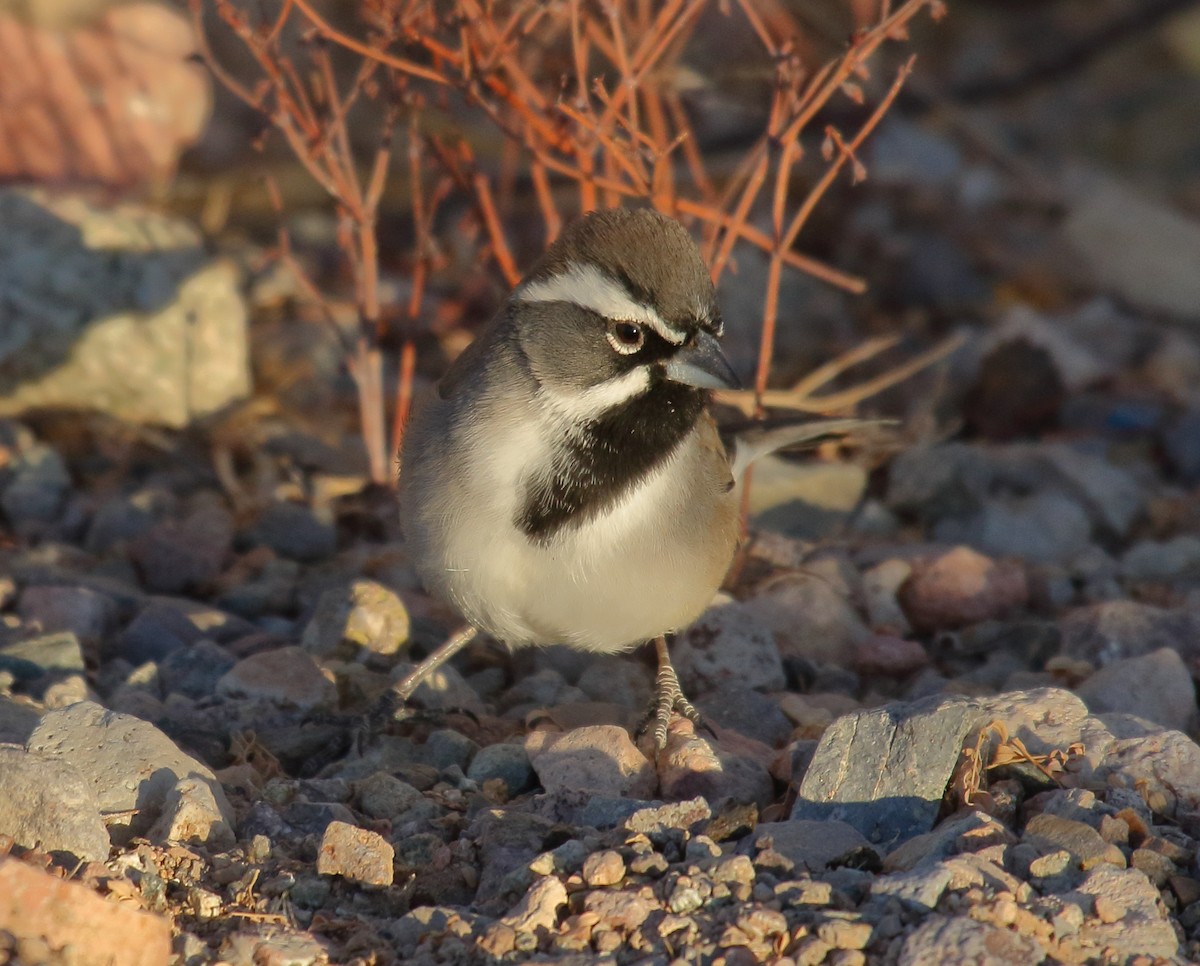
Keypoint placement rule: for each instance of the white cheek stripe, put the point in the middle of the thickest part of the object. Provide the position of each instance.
(589, 288)
(578, 407)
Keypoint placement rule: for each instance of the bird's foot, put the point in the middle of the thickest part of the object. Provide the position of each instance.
(668, 699)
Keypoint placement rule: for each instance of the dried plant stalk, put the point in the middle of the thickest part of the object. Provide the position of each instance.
(588, 99)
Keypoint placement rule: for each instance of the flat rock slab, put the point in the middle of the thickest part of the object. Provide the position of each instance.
(46, 804)
(885, 771)
(67, 916)
(130, 765)
(942, 941)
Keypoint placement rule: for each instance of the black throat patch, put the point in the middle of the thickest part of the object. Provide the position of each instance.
(610, 455)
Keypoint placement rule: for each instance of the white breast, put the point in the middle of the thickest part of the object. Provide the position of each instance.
(645, 567)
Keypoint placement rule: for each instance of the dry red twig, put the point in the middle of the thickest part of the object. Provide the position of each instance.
(588, 100)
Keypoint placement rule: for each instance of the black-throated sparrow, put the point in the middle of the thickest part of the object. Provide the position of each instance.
(568, 485)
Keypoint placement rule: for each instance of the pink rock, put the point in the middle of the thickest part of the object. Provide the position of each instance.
(125, 95)
(601, 759)
(36, 906)
(886, 654)
(690, 766)
(962, 586)
(357, 854)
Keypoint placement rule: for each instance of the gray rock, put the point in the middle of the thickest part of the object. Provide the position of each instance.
(411, 930)
(1111, 495)
(880, 584)
(691, 767)
(728, 647)
(1116, 629)
(312, 818)
(1163, 767)
(617, 679)
(1182, 443)
(162, 627)
(362, 615)
(903, 153)
(1050, 833)
(507, 841)
(130, 765)
(443, 689)
(812, 845)
(937, 272)
(81, 611)
(602, 811)
(959, 941)
(1175, 559)
(116, 309)
(271, 592)
(747, 712)
(885, 770)
(191, 812)
(505, 761)
(194, 671)
(386, 796)
(123, 518)
(445, 748)
(1156, 273)
(541, 689)
(17, 721)
(44, 654)
(178, 555)
(808, 618)
(286, 676)
(47, 804)
(1076, 357)
(1046, 527)
(35, 484)
(939, 481)
(1142, 929)
(919, 888)
(293, 530)
(1156, 686)
(945, 840)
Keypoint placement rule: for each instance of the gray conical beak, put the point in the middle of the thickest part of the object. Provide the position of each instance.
(702, 364)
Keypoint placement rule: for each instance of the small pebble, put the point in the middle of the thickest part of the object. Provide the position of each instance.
(603, 868)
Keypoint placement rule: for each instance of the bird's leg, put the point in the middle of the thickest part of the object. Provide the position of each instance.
(455, 643)
(668, 697)
(395, 697)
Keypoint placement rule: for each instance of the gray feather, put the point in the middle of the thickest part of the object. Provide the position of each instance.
(755, 442)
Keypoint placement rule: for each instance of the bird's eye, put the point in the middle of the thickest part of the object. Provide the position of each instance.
(626, 337)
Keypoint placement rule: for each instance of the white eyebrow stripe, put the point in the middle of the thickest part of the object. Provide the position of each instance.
(589, 288)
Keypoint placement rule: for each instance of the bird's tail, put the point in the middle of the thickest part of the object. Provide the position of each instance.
(756, 440)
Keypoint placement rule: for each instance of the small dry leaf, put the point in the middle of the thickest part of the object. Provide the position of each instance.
(853, 91)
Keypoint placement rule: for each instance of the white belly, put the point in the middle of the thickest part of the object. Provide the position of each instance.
(648, 565)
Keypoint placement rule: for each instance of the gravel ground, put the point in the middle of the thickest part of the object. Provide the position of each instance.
(950, 684)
